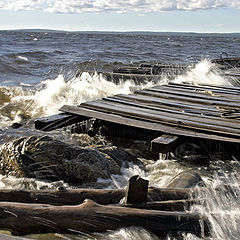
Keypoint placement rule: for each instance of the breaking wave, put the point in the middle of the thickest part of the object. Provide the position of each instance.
(18, 102)
(23, 102)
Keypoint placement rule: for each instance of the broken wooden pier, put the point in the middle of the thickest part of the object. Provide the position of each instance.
(163, 114)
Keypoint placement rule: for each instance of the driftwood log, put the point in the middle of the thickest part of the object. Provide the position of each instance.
(77, 196)
(22, 219)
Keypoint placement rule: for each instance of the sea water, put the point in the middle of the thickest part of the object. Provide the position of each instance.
(39, 72)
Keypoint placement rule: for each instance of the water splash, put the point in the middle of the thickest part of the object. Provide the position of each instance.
(22, 101)
(11, 182)
(53, 93)
(133, 233)
(205, 72)
(221, 206)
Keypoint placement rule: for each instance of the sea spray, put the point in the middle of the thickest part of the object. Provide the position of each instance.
(51, 94)
(221, 204)
(204, 72)
(54, 93)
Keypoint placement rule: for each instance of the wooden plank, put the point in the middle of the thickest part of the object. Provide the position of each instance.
(231, 119)
(189, 99)
(200, 87)
(221, 86)
(173, 110)
(192, 94)
(155, 116)
(57, 121)
(158, 127)
(164, 144)
(201, 92)
(156, 101)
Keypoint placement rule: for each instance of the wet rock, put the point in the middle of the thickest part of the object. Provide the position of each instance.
(186, 179)
(118, 154)
(44, 158)
(192, 152)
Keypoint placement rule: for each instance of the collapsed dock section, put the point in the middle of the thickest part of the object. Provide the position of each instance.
(166, 113)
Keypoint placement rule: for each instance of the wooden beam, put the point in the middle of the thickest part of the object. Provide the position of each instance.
(23, 219)
(163, 128)
(57, 121)
(170, 205)
(220, 126)
(164, 144)
(77, 196)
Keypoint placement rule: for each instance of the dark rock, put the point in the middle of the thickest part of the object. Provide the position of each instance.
(192, 152)
(45, 158)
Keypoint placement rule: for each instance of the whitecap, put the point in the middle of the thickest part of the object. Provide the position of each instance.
(23, 58)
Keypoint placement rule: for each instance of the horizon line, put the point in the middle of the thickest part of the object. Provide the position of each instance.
(114, 31)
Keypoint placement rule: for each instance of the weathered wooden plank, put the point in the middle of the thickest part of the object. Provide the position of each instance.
(156, 101)
(155, 116)
(204, 93)
(159, 127)
(184, 114)
(231, 105)
(57, 121)
(221, 86)
(193, 94)
(164, 144)
(204, 88)
(152, 105)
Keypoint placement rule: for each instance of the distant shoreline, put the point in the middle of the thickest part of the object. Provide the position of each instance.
(123, 32)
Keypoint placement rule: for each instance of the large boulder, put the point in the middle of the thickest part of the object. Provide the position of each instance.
(45, 158)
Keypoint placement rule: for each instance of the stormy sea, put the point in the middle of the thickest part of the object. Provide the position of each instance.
(42, 70)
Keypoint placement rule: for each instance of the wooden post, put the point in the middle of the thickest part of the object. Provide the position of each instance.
(137, 190)
(164, 144)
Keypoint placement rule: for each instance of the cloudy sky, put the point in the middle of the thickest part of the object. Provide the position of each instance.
(122, 15)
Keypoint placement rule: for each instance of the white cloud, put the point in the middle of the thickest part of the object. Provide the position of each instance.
(97, 6)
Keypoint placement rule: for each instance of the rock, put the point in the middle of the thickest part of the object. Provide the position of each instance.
(44, 158)
(116, 153)
(192, 152)
(186, 179)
